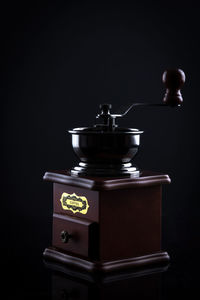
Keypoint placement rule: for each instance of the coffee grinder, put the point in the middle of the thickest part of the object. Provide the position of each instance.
(106, 211)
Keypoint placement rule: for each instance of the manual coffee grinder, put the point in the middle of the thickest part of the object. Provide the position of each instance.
(107, 212)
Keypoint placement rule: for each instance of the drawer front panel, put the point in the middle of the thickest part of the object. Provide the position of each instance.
(75, 235)
(76, 202)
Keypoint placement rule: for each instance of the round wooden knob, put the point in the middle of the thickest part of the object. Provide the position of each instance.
(173, 80)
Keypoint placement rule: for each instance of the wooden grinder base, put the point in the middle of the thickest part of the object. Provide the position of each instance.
(119, 228)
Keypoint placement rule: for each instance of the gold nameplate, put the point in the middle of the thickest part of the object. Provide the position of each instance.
(74, 203)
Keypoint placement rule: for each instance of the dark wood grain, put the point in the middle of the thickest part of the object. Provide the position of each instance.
(100, 183)
(108, 277)
(54, 254)
(130, 222)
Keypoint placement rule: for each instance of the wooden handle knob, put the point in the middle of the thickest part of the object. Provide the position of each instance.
(173, 80)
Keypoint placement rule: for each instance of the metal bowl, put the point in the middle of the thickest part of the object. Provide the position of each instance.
(105, 152)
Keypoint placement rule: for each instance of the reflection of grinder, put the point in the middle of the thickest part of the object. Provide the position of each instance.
(109, 210)
(142, 284)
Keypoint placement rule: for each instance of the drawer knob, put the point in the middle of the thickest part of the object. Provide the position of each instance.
(65, 236)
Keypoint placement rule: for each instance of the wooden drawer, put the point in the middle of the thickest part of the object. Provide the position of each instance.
(75, 235)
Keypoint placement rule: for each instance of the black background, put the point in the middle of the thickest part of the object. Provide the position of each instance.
(59, 61)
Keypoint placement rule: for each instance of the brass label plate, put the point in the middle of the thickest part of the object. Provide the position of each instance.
(74, 203)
